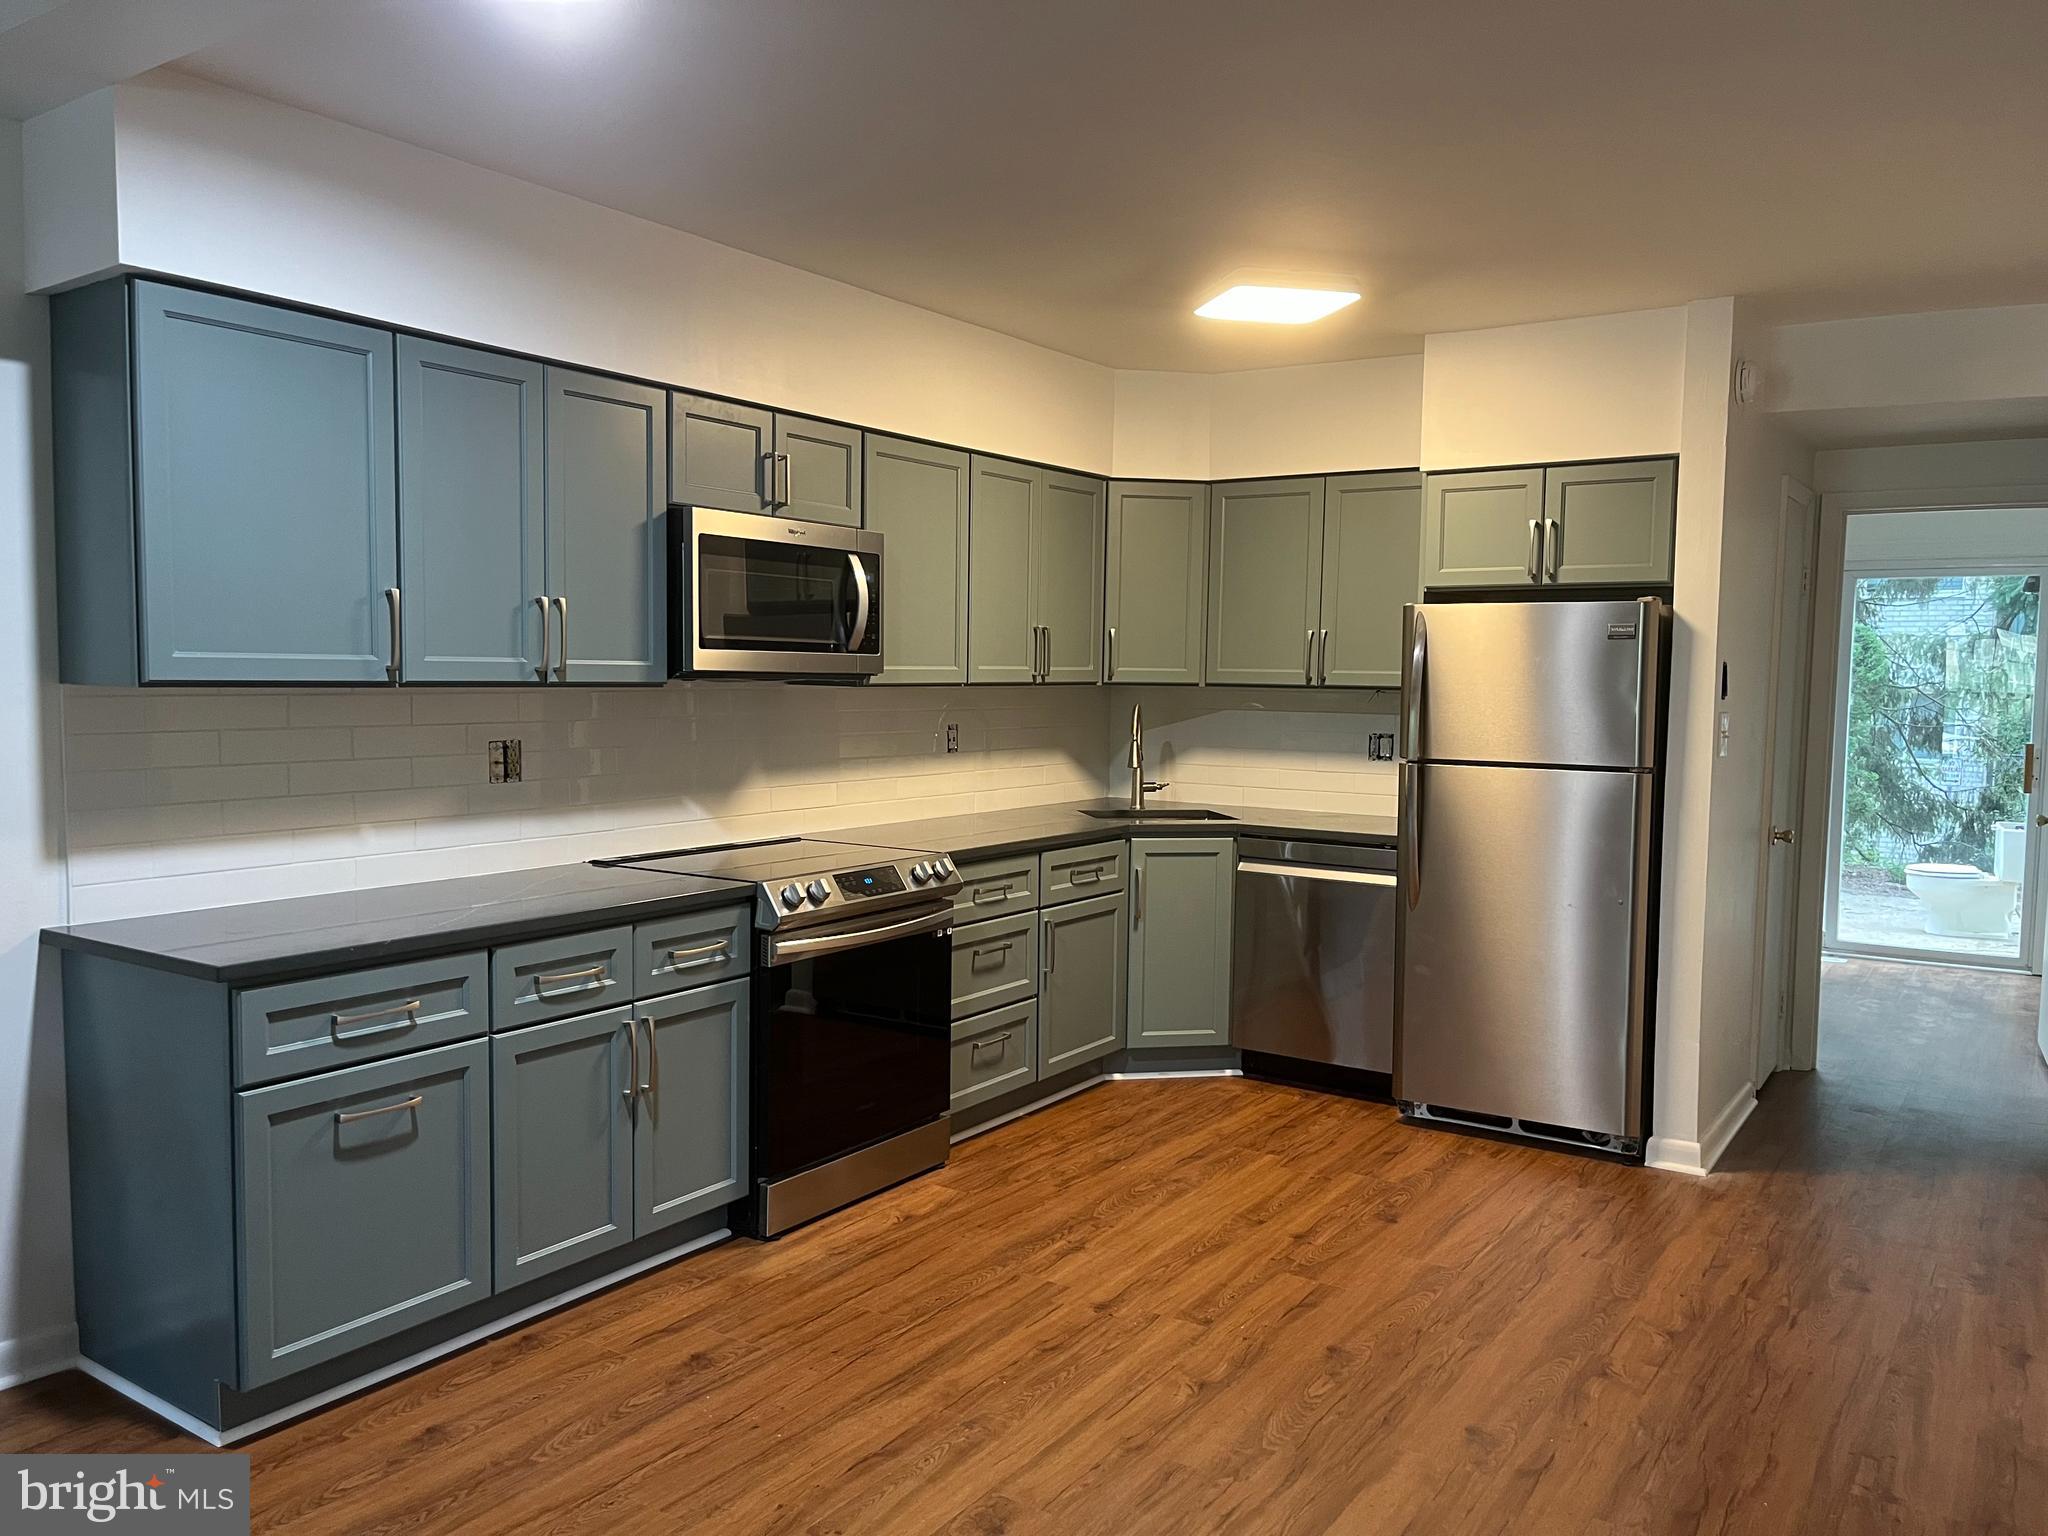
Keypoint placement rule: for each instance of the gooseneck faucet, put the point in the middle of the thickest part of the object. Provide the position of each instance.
(1139, 783)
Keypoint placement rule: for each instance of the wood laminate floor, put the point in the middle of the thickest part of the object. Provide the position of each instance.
(1219, 1306)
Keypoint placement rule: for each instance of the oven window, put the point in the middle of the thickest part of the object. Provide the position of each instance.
(754, 595)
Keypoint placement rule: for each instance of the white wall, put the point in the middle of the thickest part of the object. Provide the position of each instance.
(1911, 467)
(35, 1256)
(2018, 534)
(230, 189)
(1611, 386)
(1941, 358)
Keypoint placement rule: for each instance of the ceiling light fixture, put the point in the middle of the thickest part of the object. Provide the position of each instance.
(1269, 304)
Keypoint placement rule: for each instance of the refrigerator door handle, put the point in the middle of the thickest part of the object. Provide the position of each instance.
(1418, 660)
(1411, 836)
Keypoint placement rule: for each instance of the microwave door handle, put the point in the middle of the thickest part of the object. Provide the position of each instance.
(858, 633)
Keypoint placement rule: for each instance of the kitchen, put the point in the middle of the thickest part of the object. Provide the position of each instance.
(477, 715)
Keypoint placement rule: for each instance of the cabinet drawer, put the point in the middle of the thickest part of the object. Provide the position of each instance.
(1068, 874)
(332, 1021)
(690, 949)
(1000, 1055)
(552, 978)
(365, 1205)
(994, 962)
(991, 887)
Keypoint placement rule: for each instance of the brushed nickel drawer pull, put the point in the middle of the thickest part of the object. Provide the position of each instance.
(351, 1116)
(1002, 893)
(592, 974)
(989, 949)
(702, 954)
(1092, 871)
(975, 1045)
(652, 1086)
(340, 1031)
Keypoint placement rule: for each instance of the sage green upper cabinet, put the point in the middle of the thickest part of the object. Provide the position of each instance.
(1002, 640)
(1082, 975)
(821, 480)
(1483, 528)
(605, 452)
(1265, 580)
(1158, 586)
(261, 542)
(720, 454)
(1372, 537)
(917, 501)
(1609, 523)
(472, 536)
(1066, 576)
(1180, 941)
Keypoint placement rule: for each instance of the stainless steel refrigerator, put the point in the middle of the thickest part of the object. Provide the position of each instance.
(1530, 742)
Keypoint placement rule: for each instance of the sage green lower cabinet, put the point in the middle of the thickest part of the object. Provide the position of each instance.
(995, 962)
(1372, 538)
(562, 1159)
(917, 502)
(1265, 581)
(1180, 941)
(364, 1205)
(1157, 594)
(690, 1120)
(1609, 523)
(1081, 963)
(1483, 528)
(994, 1053)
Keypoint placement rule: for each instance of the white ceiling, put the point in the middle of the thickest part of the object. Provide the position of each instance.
(1081, 172)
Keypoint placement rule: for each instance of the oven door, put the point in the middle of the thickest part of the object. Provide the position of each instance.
(765, 597)
(851, 1039)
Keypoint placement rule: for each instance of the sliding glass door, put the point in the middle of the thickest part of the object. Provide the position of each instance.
(1936, 801)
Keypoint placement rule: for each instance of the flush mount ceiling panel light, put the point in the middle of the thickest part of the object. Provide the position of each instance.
(1275, 304)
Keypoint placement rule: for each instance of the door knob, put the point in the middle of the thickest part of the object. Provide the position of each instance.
(1782, 834)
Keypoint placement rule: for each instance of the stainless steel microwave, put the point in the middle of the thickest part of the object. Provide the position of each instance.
(755, 596)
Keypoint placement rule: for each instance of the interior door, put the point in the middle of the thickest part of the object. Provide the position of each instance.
(1791, 654)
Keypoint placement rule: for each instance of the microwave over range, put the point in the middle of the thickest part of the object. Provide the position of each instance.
(765, 597)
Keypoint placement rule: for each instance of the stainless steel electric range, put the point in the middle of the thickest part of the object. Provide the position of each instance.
(851, 1019)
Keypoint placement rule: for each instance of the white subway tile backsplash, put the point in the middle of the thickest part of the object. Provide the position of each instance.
(310, 744)
(345, 777)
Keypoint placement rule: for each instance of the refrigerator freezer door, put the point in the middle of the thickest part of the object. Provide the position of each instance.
(1523, 944)
(1558, 683)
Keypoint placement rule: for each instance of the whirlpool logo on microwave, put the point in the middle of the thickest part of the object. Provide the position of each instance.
(173, 1495)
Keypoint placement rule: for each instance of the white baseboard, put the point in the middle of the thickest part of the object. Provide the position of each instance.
(1697, 1158)
(1674, 1155)
(37, 1354)
(1146, 1077)
(305, 1405)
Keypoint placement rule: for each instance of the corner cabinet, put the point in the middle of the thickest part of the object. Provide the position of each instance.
(1265, 581)
(1156, 597)
(917, 501)
(227, 490)
(1557, 526)
(1181, 891)
(1048, 528)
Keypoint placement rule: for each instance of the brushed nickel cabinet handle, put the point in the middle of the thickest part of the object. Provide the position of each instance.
(652, 1086)
(700, 955)
(1002, 893)
(975, 955)
(769, 477)
(393, 598)
(632, 1090)
(546, 651)
(1323, 660)
(1085, 874)
(992, 1040)
(1110, 672)
(1535, 563)
(1553, 547)
(562, 633)
(1048, 946)
(591, 975)
(1137, 892)
(351, 1116)
(340, 1030)
(1308, 659)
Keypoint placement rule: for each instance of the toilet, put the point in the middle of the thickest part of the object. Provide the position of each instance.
(1962, 901)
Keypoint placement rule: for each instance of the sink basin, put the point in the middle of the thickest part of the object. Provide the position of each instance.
(1157, 813)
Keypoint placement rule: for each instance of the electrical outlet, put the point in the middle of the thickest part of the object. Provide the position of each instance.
(952, 737)
(1379, 747)
(505, 760)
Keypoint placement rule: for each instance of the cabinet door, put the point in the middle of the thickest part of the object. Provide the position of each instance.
(267, 492)
(1609, 522)
(1066, 576)
(1265, 580)
(718, 453)
(1180, 941)
(1158, 586)
(605, 452)
(364, 1205)
(1000, 634)
(1479, 528)
(472, 542)
(690, 1143)
(1372, 538)
(562, 1153)
(917, 502)
(821, 470)
(1081, 959)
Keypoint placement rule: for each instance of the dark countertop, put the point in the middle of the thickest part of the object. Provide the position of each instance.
(267, 941)
(264, 941)
(989, 833)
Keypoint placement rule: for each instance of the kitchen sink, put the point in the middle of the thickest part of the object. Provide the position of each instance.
(1157, 813)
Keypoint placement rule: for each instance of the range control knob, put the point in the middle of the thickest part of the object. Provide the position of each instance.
(919, 873)
(792, 898)
(818, 893)
(942, 868)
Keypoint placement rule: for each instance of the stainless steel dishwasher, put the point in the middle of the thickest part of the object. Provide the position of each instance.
(1312, 967)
